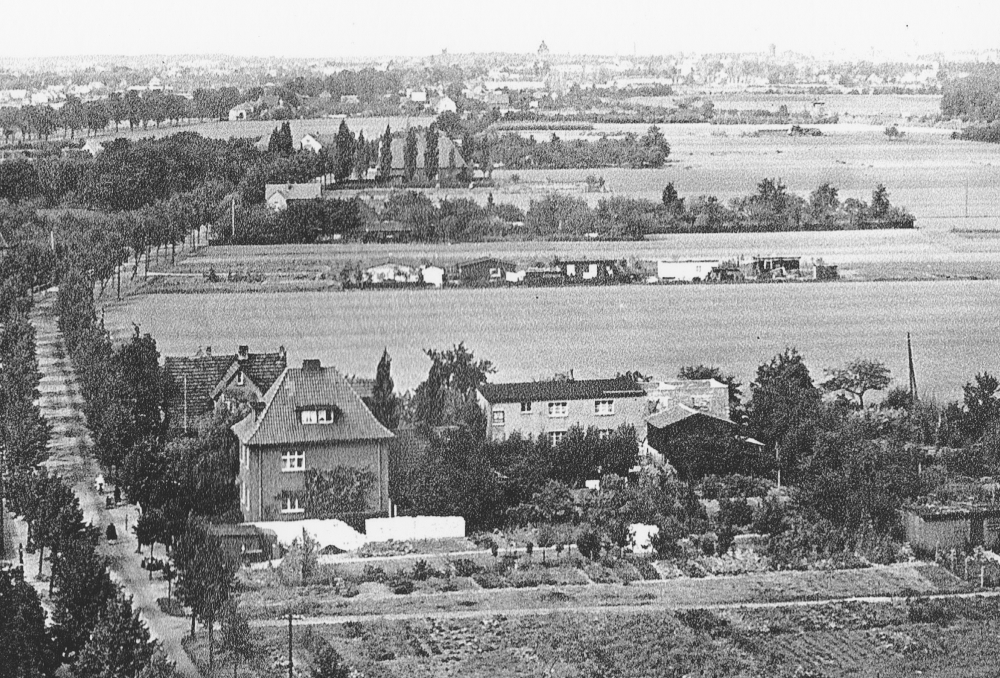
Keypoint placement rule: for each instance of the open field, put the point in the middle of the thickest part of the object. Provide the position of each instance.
(597, 331)
(885, 638)
(891, 107)
(925, 171)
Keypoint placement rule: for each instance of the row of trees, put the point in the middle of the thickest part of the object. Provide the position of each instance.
(137, 109)
(650, 150)
(94, 628)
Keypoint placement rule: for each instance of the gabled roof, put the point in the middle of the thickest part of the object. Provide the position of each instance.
(294, 191)
(484, 260)
(325, 140)
(582, 389)
(204, 374)
(302, 388)
(678, 412)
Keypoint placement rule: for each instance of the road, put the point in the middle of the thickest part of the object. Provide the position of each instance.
(61, 404)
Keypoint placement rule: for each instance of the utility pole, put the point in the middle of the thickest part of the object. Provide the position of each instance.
(290, 644)
(234, 217)
(913, 374)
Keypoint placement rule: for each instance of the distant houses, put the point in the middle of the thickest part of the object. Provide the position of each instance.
(278, 196)
(484, 271)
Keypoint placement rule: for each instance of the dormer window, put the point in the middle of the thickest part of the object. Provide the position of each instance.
(319, 415)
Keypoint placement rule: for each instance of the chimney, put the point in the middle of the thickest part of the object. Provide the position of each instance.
(208, 351)
(281, 352)
(312, 365)
(243, 354)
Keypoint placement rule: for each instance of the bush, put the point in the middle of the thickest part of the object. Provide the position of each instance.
(925, 611)
(373, 573)
(531, 578)
(589, 544)
(665, 541)
(647, 570)
(401, 586)
(489, 580)
(464, 567)
(171, 606)
(705, 621)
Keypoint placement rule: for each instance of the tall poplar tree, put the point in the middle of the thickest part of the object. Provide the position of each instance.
(385, 156)
(431, 153)
(385, 405)
(410, 154)
(344, 160)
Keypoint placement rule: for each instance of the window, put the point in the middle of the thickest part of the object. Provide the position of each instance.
(556, 437)
(495, 273)
(291, 505)
(308, 416)
(526, 408)
(604, 407)
(324, 415)
(293, 461)
(499, 417)
(559, 409)
(240, 378)
(604, 433)
(245, 456)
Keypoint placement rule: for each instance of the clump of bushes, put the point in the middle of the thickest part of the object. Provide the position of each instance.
(928, 611)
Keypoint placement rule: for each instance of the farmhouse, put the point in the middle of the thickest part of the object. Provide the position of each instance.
(312, 427)
(317, 142)
(195, 386)
(242, 111)
(450, 161)
(432, 276)
(277, 196)
(686, 270)
(774, 267)
(952, 526)
(590, 271)
(391, 273)
(551, 408)
(485, 271)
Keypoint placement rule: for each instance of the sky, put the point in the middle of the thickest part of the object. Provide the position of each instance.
(331, 28)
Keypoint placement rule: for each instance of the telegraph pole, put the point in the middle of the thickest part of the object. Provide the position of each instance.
(290, 644)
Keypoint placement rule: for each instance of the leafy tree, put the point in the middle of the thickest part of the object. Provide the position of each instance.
(453, 370)
(83, 589)
(361, 157)
(385, 403)
(119, 645)
(339, 490)
(857, 378)
(431, 153)
(671, 200)
(880, 202)
(27, 649)
(982, 405)
(237, 640)
(385, 156)
(206, 575)
(410, 154)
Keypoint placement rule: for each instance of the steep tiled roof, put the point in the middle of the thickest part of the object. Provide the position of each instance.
(303, 388)
(678, 412)
(582, 389)
(205, 372)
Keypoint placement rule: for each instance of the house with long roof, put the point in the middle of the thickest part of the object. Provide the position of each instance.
(277, 196)
(200, 384)
(311, 424)
(551, 408)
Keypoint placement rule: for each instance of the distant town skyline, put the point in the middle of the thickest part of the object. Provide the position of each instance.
(850, 29)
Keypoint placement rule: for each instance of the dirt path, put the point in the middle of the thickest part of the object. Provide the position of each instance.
(592, 609)
(61, 404)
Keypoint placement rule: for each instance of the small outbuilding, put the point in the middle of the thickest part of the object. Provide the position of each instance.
(952, 526)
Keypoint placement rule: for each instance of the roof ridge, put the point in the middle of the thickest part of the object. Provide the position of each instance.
(273, 392)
